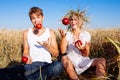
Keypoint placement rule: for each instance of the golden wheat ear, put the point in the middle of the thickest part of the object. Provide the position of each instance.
(115, 44)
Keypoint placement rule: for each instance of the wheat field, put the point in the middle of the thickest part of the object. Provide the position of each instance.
(11, 45)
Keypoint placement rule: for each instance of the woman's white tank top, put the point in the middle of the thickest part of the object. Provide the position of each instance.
(80, 62)
(36, 51)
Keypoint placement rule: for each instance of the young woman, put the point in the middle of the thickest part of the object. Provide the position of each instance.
(76, 43)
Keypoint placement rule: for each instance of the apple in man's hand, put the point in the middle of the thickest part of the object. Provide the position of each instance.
(24, 59)
(65, 21)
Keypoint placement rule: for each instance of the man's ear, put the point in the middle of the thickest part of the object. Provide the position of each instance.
(42, 17)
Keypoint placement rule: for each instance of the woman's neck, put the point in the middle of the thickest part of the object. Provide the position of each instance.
(77, 31)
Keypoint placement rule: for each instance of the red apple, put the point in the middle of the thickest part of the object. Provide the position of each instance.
(65, 21)
(24, 59)
(38, 26)
(78, 41)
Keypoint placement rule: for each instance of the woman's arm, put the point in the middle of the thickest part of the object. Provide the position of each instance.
(85, 50)
(63, 45)
(63, 41)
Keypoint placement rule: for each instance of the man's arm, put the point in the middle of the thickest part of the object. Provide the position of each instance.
(26, 47)
(51, 45)
(25, 44)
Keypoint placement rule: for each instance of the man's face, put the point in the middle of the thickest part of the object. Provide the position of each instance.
(36, 19)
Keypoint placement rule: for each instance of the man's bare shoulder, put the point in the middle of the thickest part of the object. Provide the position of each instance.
(25, 31)
(52, 31)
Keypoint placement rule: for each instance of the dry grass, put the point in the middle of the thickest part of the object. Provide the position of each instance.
(100, 46)
(11, 45)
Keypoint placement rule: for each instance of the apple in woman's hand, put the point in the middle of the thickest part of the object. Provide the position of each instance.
(38, 26)
(24, 59)
(65, 21)
(78, 41)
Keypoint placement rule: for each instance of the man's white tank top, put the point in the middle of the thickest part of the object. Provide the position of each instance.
(36, 51)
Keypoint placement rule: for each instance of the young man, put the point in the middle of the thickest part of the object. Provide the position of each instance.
(39, 47)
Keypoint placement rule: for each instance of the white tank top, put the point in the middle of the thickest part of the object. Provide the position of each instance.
(38, 52)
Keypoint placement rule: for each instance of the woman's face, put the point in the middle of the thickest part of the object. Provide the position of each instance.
(35, 19)
(75, 22)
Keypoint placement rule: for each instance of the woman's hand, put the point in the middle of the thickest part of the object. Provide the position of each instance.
(83, 49)
(62, 32)
(79, 45)
(63, 41)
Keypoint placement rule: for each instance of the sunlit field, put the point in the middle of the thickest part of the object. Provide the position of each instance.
(11, 47)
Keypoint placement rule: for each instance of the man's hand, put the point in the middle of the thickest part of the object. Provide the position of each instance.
(44, 43)
(27, 59)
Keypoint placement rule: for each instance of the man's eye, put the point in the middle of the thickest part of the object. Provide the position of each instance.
(39, 17)
(32, 18)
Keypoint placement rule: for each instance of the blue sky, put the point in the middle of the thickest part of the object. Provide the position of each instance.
(102, 13)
